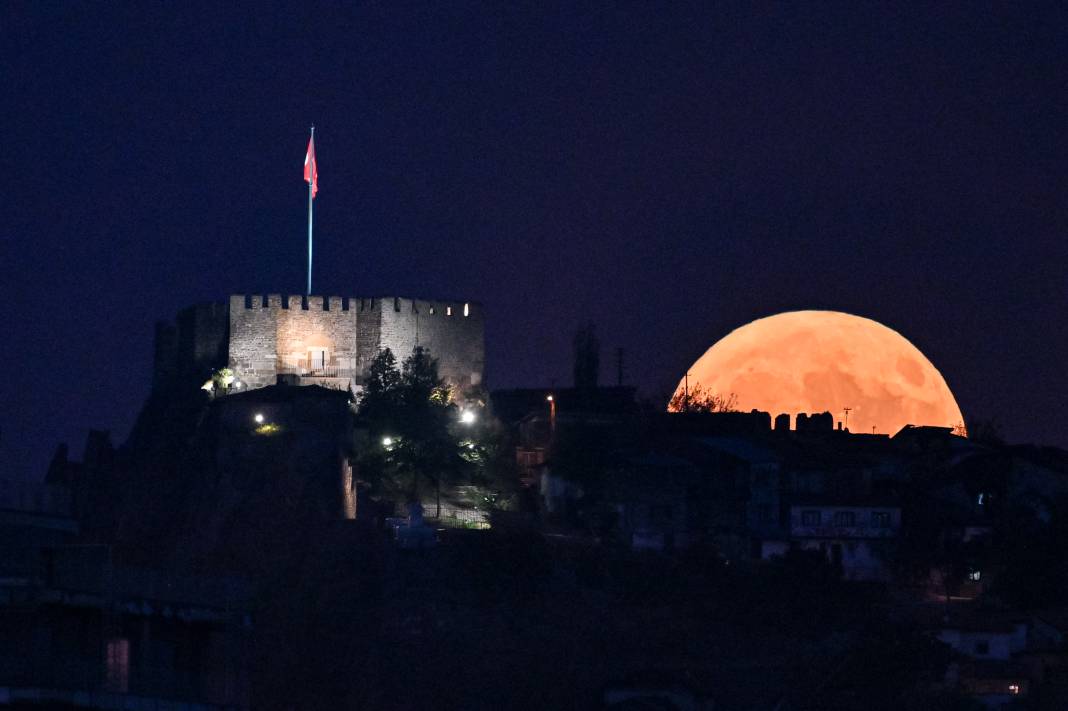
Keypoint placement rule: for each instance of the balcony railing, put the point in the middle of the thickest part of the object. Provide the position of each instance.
(311, 369)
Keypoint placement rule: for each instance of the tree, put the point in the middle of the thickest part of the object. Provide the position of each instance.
(701, 400)
(380, 402)
(412, 420)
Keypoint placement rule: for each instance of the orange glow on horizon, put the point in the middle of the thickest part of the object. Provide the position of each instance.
(816, 361)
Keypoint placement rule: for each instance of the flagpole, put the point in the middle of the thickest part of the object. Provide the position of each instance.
(311, 185)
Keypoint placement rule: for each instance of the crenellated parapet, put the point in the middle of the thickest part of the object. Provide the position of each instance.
(334, 339)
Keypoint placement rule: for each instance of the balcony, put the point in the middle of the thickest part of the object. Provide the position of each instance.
(312, 369)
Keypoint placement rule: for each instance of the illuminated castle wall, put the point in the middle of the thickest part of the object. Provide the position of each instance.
(317, 340)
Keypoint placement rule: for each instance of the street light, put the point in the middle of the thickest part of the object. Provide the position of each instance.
(552, 412)
(387, 441)
(467, 417)
(258, 418)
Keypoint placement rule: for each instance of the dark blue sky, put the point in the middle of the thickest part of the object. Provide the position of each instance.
(670, 171)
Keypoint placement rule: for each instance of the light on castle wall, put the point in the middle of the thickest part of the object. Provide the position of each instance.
(467, 417)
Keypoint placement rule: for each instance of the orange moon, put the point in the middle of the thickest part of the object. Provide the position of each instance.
(816, 361)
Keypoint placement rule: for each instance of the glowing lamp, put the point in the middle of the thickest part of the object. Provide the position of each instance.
(467, 417)
(387, 441)
(258, 418)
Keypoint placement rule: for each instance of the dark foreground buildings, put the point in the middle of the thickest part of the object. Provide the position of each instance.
(78, 631)
(612, 554)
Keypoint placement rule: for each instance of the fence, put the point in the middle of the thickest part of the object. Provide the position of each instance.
(311, 369)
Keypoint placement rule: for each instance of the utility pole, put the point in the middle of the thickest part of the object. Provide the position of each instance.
(847, 410)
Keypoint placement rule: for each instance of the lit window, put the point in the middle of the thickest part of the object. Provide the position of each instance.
(1014, 689)
(448, 311)
(975, 575)
(467, 309)
(431, 310)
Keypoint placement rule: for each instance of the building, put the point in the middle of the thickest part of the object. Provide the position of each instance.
(78, 631)
(853, 534)
(317, 340)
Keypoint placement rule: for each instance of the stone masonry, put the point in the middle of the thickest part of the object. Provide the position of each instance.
(324, 341)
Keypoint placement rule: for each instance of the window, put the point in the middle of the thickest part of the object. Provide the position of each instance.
(467, 309)
(448, 311)
(1014, 689)
(810, 518)
(982, 647)
(975, 575)
(880, 519)
(118, 666)
(845, 518)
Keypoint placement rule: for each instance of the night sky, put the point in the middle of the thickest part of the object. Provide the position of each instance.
(668, 171)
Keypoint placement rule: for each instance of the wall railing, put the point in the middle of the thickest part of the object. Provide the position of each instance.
(306, 369)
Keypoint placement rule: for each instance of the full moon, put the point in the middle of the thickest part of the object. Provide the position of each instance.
(817, 361)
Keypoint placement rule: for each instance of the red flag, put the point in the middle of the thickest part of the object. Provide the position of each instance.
(311, 172)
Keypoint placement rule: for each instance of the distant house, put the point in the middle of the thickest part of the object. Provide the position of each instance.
(650, 502)
(852, 533)
(986, 637)
(991, 646)
(756, 470)
(77, 631)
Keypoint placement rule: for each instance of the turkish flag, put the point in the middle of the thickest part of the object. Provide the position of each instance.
(311, 172)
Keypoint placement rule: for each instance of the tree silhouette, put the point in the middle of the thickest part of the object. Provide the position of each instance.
(411, 419)
(702, 400)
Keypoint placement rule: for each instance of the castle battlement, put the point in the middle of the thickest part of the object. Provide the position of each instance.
(294, 302)
(319, 339)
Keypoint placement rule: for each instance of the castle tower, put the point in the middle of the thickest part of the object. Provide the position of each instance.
(321, 340)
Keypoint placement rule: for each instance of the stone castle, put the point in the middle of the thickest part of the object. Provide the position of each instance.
(317, 340)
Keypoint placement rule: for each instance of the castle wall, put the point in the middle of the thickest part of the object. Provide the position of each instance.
(191, 347)
(253, 348)
(202, 333)
(276, 335)
(456, 340)
(310, 329)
